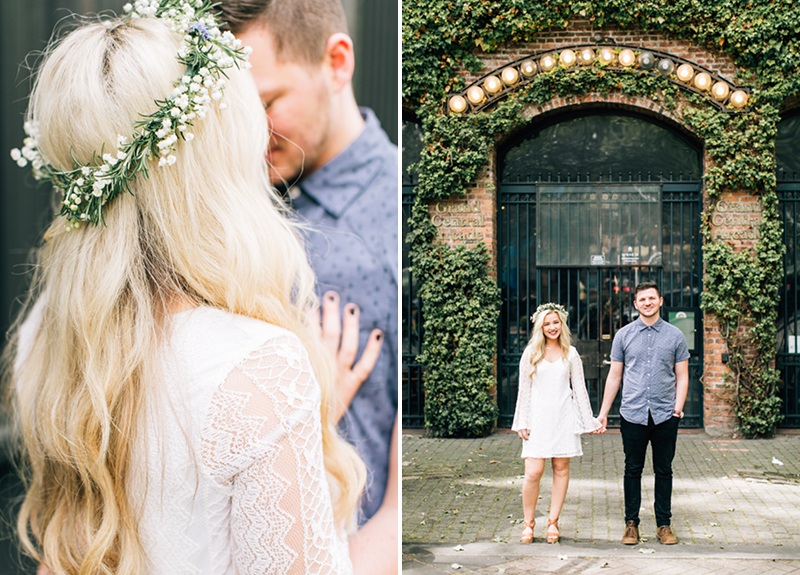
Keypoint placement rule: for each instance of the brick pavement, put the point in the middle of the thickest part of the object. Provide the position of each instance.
(729, 500)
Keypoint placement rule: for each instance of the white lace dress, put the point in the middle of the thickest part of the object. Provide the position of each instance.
(546, 408)
(232, 480)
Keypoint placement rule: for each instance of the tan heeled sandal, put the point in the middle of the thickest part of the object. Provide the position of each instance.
(553, 537)
(527, 532)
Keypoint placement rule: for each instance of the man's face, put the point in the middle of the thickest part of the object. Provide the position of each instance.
(648, 302)
(297, 99)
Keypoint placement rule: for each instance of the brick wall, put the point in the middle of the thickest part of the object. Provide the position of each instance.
(473, 218)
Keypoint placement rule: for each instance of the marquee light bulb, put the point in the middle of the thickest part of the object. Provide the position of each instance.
(627, 58)
(475, 95)
(492, 85)
(685, 73)
(457, 104)
(510, 76)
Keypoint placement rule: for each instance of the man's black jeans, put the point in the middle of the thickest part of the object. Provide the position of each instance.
(635, 438)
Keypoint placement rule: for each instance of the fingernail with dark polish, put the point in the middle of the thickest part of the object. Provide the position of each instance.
(331, 297)
(378, 337)
(353, 310)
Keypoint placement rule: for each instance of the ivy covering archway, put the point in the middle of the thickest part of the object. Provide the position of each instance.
(460, 300)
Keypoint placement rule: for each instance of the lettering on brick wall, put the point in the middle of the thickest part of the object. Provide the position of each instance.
(736, 220)
(461, 222)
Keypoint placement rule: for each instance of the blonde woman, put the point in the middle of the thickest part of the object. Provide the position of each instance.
(552, 411)
(174, 403)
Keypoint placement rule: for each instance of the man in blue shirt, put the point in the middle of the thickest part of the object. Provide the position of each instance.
(340, 170)
(649, 357)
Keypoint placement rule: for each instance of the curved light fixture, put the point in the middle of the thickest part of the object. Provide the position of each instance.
(510, 76)
(547, 63)
(492, 85)
(457, 104)
(666, 66)
(702, 81)
(475, 95)
(720, 90)
(567, 58)
(685, 73)
(528, 68)
(627, 58)
(739, 99)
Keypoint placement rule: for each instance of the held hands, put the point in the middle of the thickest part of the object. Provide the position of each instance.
(341, 338)
(603, 419)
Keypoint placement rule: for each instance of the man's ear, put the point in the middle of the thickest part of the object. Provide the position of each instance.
(340, 60)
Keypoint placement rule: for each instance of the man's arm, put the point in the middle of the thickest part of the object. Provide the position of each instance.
(682, 384)
(374, 549)
(613, 381)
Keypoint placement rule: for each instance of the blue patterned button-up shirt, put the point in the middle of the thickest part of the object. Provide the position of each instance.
(351, 203)
(649, 355)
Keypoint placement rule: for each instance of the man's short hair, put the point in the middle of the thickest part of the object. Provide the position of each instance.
(300, 28)
(646, 285)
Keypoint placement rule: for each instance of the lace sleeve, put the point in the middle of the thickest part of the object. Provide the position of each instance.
(263, 439)
(522, 411)
(584, 422)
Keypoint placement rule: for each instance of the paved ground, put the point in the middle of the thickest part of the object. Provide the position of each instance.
(734, 509)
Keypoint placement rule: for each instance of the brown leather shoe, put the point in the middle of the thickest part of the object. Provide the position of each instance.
(631, 536)
(666, 536)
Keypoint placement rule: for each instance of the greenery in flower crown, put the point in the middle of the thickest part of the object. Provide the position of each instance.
(206, 52)
(548, 307)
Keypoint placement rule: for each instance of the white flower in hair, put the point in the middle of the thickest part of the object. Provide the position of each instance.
(206, 52)
(548, 307)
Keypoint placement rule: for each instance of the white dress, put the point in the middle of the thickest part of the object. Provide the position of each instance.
(546, 408)
(232, 479)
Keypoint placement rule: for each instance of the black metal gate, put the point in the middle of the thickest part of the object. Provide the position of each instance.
(788, 336)
(586, 244)
(413, 404)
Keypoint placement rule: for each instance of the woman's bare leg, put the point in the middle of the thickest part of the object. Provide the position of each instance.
(534, 468)
(560, 484)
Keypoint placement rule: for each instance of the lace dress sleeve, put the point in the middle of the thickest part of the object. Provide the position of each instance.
(522, 411)
(584, 422)
(263, 440)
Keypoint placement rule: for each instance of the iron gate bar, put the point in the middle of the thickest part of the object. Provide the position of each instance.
(788, 364)
(413, 394)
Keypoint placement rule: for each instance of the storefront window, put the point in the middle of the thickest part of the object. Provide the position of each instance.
(598, 225)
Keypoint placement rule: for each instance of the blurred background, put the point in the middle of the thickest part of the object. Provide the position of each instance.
(25, 27)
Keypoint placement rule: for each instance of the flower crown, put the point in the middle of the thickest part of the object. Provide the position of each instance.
(206, 52)
(547, 307)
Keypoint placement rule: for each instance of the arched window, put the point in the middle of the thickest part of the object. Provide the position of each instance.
(601, 146)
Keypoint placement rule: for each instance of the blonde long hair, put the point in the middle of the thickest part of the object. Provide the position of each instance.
(208, 229)
(538, 341)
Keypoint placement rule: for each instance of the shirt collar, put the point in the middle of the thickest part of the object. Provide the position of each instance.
(656, 326)
(339, 182)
